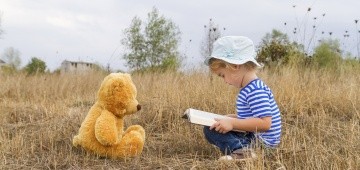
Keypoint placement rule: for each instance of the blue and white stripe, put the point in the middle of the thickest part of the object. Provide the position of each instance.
(257, 101)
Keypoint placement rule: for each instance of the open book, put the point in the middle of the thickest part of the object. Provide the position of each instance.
(204, 118)
(201, 117)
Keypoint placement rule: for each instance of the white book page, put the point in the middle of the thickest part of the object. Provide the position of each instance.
(202, 117)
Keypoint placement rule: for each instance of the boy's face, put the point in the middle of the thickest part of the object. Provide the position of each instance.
(231, 77)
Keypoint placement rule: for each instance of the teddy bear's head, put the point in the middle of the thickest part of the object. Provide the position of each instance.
(118, 94)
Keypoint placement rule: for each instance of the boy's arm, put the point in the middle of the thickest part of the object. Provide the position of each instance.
(259, 103)
(249, 125)
(252, 124)
(261, 120)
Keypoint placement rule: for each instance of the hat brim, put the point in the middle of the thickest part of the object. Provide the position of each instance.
(232, 61)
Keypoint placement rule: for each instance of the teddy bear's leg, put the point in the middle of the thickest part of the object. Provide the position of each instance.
(137, 128)
(131, 145)
(91, 145)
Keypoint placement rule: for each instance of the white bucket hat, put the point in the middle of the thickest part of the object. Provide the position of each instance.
(234, 50)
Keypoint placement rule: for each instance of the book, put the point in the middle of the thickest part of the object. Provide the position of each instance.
(202, 117)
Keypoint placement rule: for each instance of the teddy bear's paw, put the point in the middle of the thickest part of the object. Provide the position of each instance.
(136, 128)
(132, 143)
(76, 141)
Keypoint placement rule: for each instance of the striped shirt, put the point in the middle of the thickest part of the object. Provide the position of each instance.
(256, 100)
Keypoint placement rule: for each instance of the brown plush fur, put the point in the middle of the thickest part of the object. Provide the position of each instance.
(102, 132)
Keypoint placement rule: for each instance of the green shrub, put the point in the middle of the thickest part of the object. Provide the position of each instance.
(327, 55)
(35, 66)
(276, 49)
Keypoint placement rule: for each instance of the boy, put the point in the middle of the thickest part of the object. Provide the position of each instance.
(233, 59)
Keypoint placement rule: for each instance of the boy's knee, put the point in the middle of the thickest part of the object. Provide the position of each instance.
(209, 134)
(206, 130)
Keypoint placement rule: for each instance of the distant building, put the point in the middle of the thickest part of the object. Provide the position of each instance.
(75, 67)
(2, 63)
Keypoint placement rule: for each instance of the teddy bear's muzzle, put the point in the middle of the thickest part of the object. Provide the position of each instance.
(138, 107)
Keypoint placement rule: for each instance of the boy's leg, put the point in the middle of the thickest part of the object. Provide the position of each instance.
(228, 142)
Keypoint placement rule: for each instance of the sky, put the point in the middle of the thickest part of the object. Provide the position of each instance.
(91, 30)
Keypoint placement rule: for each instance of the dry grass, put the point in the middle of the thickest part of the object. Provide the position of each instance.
(39, 116)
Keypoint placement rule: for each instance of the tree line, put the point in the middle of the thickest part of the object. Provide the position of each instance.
(153, 45)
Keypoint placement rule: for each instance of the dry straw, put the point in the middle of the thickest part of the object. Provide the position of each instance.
(39, 115)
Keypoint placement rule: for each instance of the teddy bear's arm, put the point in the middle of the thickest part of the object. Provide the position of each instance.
(105, 129)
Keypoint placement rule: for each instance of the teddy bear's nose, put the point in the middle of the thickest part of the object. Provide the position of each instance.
(138, 107)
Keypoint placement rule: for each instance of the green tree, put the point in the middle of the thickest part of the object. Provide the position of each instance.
(154, 46)
(327, 54)
(274, 48)
(35, 66)
(12, 58)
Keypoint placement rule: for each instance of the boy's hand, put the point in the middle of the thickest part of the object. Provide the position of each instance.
(222, 125)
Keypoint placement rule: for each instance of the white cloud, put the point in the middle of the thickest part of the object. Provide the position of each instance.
(60, 22)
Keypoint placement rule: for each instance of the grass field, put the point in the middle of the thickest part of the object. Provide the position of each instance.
(39, 115)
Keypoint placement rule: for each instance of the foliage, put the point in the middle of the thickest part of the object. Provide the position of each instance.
(275, 48)
(155, 46)
(327, 54)
(12, 57)
(296, 58)
(351, 64)
(7, 69)
(212, 33)
(35, 66)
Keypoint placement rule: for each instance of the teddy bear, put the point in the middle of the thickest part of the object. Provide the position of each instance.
(102, 132)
